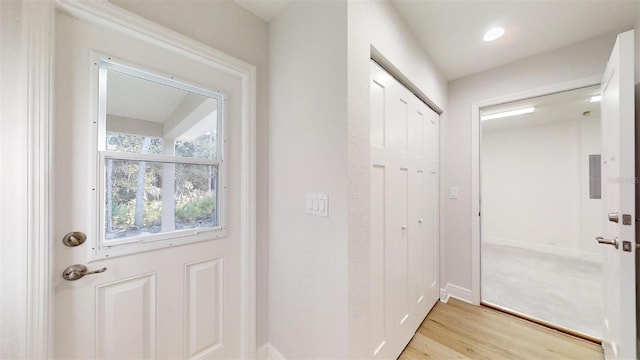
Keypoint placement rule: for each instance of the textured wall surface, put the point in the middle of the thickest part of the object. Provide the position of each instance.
(308, 141)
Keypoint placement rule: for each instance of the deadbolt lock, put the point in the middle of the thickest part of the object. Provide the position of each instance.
(75, 238)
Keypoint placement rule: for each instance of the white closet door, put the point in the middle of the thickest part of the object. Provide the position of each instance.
(382, 250)
(404, 180)
(430, 215)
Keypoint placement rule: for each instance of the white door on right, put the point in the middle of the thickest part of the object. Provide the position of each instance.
(618, 193)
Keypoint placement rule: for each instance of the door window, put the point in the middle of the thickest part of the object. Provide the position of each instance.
(160, 156)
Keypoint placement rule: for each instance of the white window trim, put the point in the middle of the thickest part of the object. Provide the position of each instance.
(103, 248)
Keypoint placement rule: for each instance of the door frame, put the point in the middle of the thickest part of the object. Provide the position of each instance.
(40, 280)
(476, 136)
(26, 318)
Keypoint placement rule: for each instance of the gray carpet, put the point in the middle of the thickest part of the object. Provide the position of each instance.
(560, 290)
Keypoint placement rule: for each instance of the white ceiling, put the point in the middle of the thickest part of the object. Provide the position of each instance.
(267, 10)
(136, 98)
(451, 31)
(558, 107)
(180, 114)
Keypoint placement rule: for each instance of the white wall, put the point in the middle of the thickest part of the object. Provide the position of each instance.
(319, 268)
(308, 154)
(535, 187)
(578, 61)
(228, 27)
(591, 221)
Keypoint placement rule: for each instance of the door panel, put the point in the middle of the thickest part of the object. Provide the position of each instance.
(402, 256)
(400, 122)
(618, 195)
(170, 302)
(403, 214)
(430, 129)
(126, 318)
(378, 129)
(204, 306)
(381, 271)
(417, 248)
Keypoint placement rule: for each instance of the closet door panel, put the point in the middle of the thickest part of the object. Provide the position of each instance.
(402, 255)
(381, 331)
(403, 214)
(430, 209)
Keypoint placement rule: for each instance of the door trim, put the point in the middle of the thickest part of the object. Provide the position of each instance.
(117, 19)
(40, 290)
(26, 125)
(476, 267)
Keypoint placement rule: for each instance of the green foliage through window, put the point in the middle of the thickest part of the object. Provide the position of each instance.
(137, 191)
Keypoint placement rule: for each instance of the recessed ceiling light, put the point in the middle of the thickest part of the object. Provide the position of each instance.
(493, 34)
(507, 113)
(595, 98)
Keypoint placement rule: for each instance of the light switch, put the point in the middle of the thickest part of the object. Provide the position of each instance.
(323, 210)
(317, 204)
(453, 192)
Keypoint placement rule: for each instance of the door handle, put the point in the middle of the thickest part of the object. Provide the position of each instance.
(78, 271)
(613, 242)
(613, 217)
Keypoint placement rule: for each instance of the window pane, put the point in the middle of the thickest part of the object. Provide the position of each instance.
(147, 197)
(203, 146)
(133, 143)
(153, 112)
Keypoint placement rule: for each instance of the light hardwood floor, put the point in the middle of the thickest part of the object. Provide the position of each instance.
(457, 330)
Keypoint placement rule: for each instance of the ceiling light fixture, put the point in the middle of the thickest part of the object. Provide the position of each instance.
(595, 98)
(503, 114)
(493, 34)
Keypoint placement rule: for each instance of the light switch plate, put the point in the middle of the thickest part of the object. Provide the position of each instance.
(318, 204)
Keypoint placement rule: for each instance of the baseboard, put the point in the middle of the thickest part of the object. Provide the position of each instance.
(457, 292)
(544, 248)
(268, 352)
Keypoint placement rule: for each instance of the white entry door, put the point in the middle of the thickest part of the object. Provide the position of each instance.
(618, 193)
(404, 216)
(147, 165)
